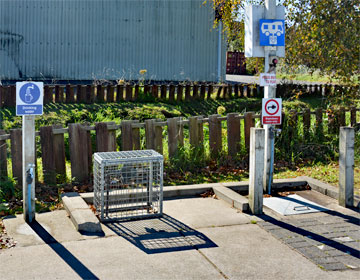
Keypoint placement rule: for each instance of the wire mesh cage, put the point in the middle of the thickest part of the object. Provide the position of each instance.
(128, 184)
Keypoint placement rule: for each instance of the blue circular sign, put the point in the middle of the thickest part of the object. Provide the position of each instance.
(29, 93)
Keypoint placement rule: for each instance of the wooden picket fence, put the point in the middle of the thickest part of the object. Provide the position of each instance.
(89, 94)
(52, 139)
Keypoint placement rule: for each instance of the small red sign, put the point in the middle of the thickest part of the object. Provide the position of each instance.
(271, 111)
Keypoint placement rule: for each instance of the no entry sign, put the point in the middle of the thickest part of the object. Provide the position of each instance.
(271, 111)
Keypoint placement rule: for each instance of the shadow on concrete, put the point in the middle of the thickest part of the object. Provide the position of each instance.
(160, 235)
(62, 252)
(318, 237)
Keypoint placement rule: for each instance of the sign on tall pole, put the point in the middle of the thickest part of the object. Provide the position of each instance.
(265, 37)
(29, 102)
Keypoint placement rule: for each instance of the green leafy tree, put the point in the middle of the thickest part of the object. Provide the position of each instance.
(322, 35)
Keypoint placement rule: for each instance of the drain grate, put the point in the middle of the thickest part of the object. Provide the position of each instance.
(292, 205)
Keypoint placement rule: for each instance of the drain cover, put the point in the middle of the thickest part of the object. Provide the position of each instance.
(292, 205)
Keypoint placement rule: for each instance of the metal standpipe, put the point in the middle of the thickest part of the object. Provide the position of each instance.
(29, 179)
(272, 133)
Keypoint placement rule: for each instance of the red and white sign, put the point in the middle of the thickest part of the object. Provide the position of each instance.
(267, 79)
(271, 111)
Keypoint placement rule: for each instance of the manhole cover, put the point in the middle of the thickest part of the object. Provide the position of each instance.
(292, 205)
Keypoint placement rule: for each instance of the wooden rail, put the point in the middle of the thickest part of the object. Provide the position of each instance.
(53, 149)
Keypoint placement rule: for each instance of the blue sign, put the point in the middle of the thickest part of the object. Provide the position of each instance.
(29, 98)
(272, 32)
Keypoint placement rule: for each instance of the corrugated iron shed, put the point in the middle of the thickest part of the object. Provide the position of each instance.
(108, 39)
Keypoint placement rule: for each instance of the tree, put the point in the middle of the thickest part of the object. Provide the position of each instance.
(321, 34)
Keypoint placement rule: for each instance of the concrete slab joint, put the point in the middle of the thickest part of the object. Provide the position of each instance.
(80, 214)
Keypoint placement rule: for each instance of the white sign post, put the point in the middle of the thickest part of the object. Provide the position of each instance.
(29, 102)
(265, 37)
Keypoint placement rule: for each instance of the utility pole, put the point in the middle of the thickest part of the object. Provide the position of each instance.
(269, 92)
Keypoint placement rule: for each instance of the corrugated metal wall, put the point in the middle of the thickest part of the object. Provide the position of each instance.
(108, 39)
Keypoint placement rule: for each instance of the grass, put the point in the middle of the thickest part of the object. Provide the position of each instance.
(326, 172)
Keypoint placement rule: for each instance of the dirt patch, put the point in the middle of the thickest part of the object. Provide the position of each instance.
(6, 242)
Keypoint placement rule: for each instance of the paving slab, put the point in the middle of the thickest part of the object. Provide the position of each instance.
(198, 238)
(258, 255)
(204, 212)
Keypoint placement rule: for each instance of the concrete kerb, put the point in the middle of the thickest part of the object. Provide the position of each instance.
(226, 191)
(80, 214)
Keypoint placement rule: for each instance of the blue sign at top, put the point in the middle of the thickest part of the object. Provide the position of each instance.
(29, 93)
(272, 32)
(29, 98)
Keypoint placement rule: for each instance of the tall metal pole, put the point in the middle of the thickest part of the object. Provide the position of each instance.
(269, 92)
(28, 162)
(219, 52)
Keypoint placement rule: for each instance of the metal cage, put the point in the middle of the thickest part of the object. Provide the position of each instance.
(128, 184)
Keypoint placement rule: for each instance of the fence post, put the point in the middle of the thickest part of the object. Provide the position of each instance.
(352, 116)
(172, 93)
(248, 124)
(47, 152)
(293, 124)
(126, 136)
(59, 152)
(236, 90)
(233, 134)
(256, 170)
(341, 114)
(150, 134)
(319, 120)
(225, 92)
(155, 91)
(346, 166)
(163, 89)
(175, 136)
(136, 137)
(307, 122)
(47, 96)
(3, 156)
(193, 132)
(158, 141)
(215, 136)
(79, 150)
(69, 98)
(2, 96)
(128, 93)
(179, 96)
(105, 138)
(210, 91)
(119, 93)
(202, 92)
(136, 92)
(16, 154)
(331, 120)
(195, 91)
(218, 94)
(110, 94)
(187, 92)
(100, 94)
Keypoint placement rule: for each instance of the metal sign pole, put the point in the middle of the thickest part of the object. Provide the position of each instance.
(269, 92)
(29, 103)
(28, 162)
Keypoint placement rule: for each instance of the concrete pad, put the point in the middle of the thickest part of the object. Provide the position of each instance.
(55, 223)
(105, 258)
(249, 252)
(204, 212)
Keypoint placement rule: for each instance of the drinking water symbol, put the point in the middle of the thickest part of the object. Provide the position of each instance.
(29, 93)
(28, 96)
